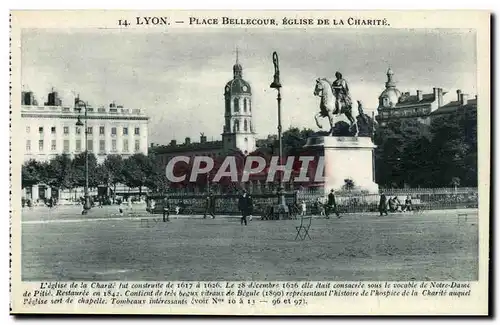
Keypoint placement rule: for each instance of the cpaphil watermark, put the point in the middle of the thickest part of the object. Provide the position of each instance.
(302, 168)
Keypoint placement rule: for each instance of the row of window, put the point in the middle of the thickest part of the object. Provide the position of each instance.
(90, 130)
(90, 145)
(236, 105)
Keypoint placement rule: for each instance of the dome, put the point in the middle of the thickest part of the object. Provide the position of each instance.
(389, 97)
(237, 86)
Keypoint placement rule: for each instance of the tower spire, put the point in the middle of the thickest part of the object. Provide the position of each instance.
(390, 81)
(237, 68)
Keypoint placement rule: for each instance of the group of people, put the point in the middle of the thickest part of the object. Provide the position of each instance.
(393, 205)
(324, 209)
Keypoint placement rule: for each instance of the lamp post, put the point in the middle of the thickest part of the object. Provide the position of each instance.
(78, 104)
(281, 209)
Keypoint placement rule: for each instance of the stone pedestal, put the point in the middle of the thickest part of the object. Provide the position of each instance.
(346, 158)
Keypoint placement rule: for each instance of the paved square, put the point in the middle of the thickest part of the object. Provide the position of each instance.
(62, 245)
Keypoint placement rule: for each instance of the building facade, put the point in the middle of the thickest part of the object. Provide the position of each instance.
(461, 105)
(396, 105)
(51, 129)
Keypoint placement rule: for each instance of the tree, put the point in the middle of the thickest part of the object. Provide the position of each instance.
(136, 170)
(348, 185)
(78, 166)
(157, 179)
(401, 156)
(113, 168)
(60, 172)
(454, 148)
(31, 173)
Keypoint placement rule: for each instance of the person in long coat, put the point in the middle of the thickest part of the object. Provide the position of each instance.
(245, 205)
(382, 205)
(332, 205)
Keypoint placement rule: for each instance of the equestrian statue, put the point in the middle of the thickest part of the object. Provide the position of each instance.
(335, 100)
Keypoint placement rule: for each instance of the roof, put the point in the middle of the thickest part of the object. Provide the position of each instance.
(454, 106)
(237, 86)
(406, 100)
(197, 146)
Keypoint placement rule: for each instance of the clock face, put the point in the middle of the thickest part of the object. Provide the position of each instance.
(227, 88)
(245, 88)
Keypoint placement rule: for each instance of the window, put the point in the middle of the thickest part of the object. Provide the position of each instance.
(40, 129)
(113, 131)
(249, 105)
(66, 130)
(125, 131)
(102, 145)
(236, 105)
(53, 130)
(53, 145)
(244, 105)
(245, 125)
(78, 130)
(89, 130)
(137, 145)
(66, 146)
(28, 145)
(137, 131)
(101, 130)
(28, 129)
(40, 145)
(113, 145)
(125, 145)
(90, 145)
(78, 147)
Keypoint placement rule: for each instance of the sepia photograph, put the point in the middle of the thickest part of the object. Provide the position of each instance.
(286, 164)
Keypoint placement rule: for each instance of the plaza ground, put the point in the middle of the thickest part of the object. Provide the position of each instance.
(61, 244)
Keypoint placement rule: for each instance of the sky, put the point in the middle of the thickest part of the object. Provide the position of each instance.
(177, 77)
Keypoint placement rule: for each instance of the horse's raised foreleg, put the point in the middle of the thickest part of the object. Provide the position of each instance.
(316, 118)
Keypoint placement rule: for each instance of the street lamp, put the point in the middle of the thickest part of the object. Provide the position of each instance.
(78, 106)
(281, 209)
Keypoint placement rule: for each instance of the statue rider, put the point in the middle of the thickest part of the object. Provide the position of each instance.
(341, 90)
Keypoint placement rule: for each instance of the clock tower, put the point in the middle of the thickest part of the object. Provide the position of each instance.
(238, 132)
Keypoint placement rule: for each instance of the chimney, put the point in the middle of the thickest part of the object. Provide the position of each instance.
(463, 99)
(187, 141)
(438, 95)
(27, 98)
(152, 144)
(173, 143)
(203, 138)
(459, 95)
(419, 95)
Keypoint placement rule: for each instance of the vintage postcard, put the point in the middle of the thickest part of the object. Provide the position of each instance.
(250, 162)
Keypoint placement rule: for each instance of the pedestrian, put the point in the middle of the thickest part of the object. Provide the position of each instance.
(382, 205)
(303, 208)
(209, 206)
(245, 205)
(332, 205)
(166, 210)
